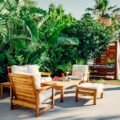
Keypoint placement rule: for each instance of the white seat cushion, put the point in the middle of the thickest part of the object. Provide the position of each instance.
(73, 77)
(97, 86)
(45, 95)
(45, 79)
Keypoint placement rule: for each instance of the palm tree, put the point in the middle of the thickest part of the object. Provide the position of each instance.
(103, 9)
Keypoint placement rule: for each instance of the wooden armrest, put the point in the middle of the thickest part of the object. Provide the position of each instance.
(45, 74)
(48, 84)
(44, 88)
(6, 84)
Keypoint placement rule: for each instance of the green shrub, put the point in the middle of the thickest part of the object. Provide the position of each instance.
(93, 37)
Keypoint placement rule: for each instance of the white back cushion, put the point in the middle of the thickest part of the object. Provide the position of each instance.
(34, 70)
(19, 69)
(28, 70)
(79, 70)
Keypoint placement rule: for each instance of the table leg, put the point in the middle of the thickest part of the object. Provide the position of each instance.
(62, 94)
(1, 90)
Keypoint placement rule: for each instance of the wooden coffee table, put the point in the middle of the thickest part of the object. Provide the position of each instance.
(62, 85)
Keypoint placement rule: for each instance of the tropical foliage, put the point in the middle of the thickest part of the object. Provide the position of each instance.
(27, 33)
(93, 37)
(18, 30)
(52, 39)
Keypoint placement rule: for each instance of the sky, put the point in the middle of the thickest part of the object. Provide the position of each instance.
(75, 7)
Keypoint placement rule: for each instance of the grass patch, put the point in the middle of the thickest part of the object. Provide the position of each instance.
(109, 82)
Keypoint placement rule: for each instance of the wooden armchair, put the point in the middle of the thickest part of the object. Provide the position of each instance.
(7, 84)
(80, 72)
(24, 93)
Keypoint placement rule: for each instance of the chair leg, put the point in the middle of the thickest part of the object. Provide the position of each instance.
(94, 101)
(76, 96)
(62, 94)
(101, 96)
(37, 104)
(1, 90)
(37, 111)
(53, 94)
(11, 98)
(11, 106)
(94, 98)
(53, 103)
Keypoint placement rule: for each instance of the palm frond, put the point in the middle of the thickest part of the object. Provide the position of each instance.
(97, 2)
(37, 10)
(32, 27)
(2, 70)
(1, 5)
(111, 7)
(86, 15)
(44, 19)
(116, 10)
(56, 33)
(67, 41)
(3, 29)
(19, 44)
(105, 3)
(21, 37)
(11, 4)
(2, 57)
(10, 58)
(89, 9)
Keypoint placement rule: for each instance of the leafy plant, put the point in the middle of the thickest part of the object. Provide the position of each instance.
(111, 61)
(93, 37)
(18, 32)
(53, 39)
(65, 67)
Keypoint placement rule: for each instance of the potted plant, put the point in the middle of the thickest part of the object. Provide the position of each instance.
(111, 63)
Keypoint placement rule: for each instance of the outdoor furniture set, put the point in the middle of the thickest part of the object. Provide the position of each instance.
(29, 89)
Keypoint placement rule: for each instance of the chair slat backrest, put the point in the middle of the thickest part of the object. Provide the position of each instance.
(23, 87)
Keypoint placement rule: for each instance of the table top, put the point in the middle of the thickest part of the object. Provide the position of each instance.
(64, 84)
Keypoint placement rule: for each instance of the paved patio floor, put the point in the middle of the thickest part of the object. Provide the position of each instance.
(107, 108)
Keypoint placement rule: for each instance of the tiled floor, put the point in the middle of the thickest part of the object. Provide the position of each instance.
(107, 108)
